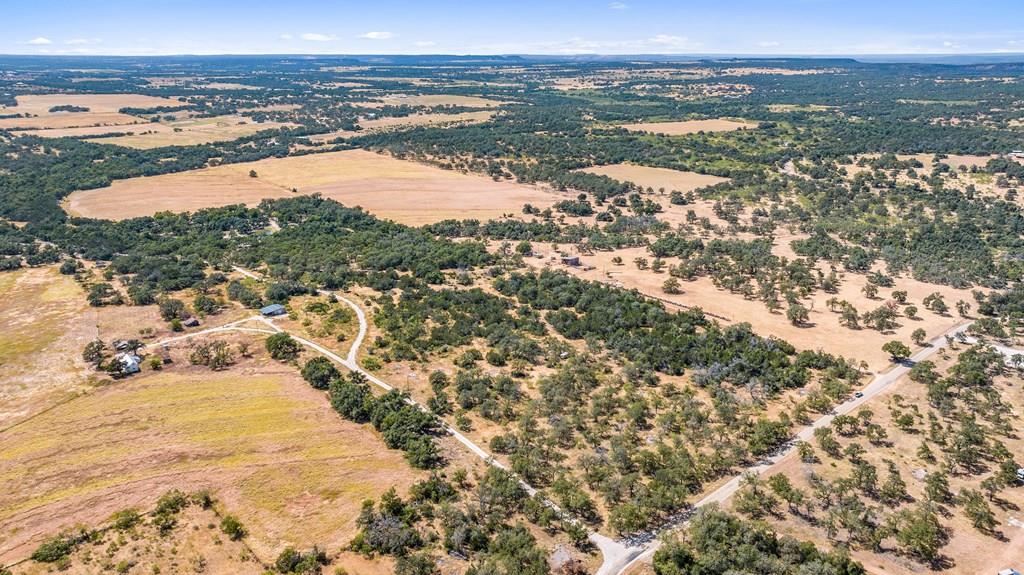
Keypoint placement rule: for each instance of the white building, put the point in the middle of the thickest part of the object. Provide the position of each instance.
(129, 362)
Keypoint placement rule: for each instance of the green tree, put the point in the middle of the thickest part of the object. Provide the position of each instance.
(897, 350)
(319, 372)
(283, 347)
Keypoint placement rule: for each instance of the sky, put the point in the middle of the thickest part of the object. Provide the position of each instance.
(552, 27)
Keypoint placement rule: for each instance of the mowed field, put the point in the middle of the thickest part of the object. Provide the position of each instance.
(689, 126)
(401, 123)
(656, 178)
(103, 110)
(44, 324)
(432, 100)
(257, 436)
(186, 132)
(407, 192)
(191, 132)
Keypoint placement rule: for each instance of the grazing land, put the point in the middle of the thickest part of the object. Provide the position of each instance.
(99, 110)
(400, 190)
(656, 178)
(256, 435)
(689, 126)
(43, 326)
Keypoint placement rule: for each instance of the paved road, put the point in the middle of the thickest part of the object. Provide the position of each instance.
(881, 382)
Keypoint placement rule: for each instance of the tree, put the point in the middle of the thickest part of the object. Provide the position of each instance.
(232, 527)
(524, 248)
(671, 286)
(870, 290)
(918, 336)
(935, 303)
(283, 347)
(977, 510)
(797, 314)
(94, 352)
(171, 309)
(420, 563)
(319, 372)
(936, 487)
(897, 350)
(919, 532)
(253, 174)
(963, 308)
(910, 311)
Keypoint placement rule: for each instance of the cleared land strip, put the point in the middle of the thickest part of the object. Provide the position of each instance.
(651, 543)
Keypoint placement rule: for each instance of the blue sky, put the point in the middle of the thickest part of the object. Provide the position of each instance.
(820, 27)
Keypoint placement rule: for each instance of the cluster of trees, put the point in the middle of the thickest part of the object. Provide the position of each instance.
(401, 424)
(718, 543)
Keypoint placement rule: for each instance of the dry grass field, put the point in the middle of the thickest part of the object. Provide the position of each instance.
(432, 100)
(403, 191)
(44, 323)
(190, 132)
(401, 123)
(690, 126)
(257, 435)
(656, 177)
(103, 110)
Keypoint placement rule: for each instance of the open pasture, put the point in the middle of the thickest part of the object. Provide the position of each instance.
(407, 192)
(268, 445)
(102, 110)
(689, 126)
(656, 178)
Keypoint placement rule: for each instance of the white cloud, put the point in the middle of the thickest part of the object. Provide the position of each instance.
(40, 41)
(669, 40)
(424, 43)
(618, 6)
(661, 43)
(377, 36)
(314, 37)
(768, 44)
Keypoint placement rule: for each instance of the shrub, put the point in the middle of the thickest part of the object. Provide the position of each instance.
(232, 527)
(283, 347)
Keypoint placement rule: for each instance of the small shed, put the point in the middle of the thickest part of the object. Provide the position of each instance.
(571, 260)
(190, 322)
(1009, 572)
(165, 354)
(272, 310)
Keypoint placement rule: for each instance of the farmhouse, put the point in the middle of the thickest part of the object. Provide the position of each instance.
(571, 260)
(272, 310)
(129, 362)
